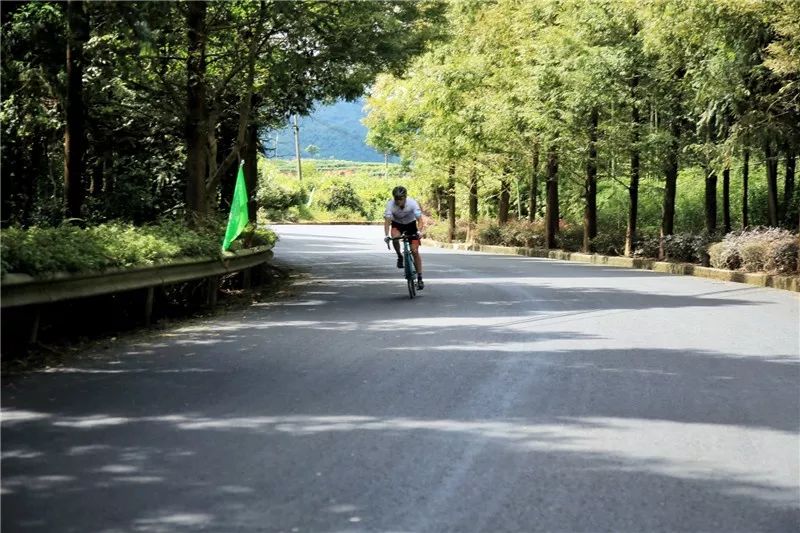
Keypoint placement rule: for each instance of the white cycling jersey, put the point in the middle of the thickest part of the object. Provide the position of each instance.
(405, 215)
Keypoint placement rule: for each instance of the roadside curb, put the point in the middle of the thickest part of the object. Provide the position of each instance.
(788, 283)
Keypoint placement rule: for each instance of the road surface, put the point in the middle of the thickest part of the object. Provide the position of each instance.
(514, 394)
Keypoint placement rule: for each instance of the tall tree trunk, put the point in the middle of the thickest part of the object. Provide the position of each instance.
(245, 106)
(633, 189)
(534, 185)
(771, 160)
(251, 172)
(670, 186)
(473, 196)
(590, 188)
(38, 168)
(711, 199)
(439, 208)
(196, 110)
(789, 217)
(505, 197)
(451, 203)
(745, 186)
(74, 133)
(108, 176)
(551, 207)
(726, 199)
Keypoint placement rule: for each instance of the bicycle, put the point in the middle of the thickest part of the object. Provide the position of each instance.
(408, 262)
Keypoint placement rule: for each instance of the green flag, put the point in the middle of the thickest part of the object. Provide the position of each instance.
(238, 218)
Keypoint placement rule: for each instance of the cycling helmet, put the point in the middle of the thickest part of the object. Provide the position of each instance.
(399, 192)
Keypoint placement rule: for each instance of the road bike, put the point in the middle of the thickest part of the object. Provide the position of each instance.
(408, 262)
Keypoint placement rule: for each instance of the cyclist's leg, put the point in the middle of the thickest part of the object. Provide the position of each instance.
(417, 257)
(395, 234)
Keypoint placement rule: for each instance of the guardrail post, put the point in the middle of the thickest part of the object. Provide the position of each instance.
(148, 305)
(211, 290)
(37, 316)
(247, 278)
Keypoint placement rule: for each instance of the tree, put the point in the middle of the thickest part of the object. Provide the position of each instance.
(74, 135)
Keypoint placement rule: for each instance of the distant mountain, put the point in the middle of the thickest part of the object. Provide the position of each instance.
(335, 129)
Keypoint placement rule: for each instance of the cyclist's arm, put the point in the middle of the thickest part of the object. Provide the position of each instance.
(387, 223)
(420, 220)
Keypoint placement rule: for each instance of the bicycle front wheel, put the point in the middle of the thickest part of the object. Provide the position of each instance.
(412, 289)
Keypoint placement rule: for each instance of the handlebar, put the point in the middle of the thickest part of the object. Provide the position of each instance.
(403, 237)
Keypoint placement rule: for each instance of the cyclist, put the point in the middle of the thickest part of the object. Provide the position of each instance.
(402, 214)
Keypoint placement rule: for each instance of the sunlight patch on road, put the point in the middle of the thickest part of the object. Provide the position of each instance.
(11, 416)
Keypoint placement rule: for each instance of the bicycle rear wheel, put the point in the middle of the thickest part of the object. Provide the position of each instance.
(409, 271)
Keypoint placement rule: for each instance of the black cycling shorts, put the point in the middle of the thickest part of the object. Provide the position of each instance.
(410, 228)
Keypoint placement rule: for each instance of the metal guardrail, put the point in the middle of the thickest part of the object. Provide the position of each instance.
(21, 289)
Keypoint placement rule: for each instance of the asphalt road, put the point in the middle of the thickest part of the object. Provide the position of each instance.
(513, 394)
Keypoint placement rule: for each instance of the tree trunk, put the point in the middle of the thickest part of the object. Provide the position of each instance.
(251, 171)
(439, 210)
(551, 207)
(473, 196)
(771, 160)
(711, 200)
(670, 187)
(245, 106)
(451, 203)
(108, 176)
(726, 199)
(745, 185)
(788, 189)
(197, 112)
(39, 168)
(633, 189)
(74, 133)
(505, 197)
(590, 188)
(534, 186)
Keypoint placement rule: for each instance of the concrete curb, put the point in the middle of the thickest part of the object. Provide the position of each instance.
(788, 283)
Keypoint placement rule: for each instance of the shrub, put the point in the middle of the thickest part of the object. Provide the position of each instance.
(725, 255)
(715, 255)
(570, 237)
(522, 233)
(647, 247)
(277, 200)
(781, 256)
(770, 249)
(488, 233)
(342, 196)
(437, 231)
(753, 255)
(685, 247)
(608, 244)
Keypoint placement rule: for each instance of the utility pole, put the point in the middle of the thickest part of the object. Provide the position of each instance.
(385, 165)
(276, 145)
(297, 148)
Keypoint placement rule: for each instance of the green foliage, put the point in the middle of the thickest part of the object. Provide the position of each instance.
(686, 247)
(43, 250)
(608, 244)
(340, 195)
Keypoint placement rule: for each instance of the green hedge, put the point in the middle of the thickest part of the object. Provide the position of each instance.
(40, 250)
